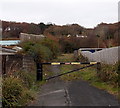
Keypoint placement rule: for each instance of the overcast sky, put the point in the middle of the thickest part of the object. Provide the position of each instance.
(87, 13)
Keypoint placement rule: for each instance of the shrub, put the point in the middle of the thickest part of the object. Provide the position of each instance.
(43, 50)
(27, 45)
(40, 53)
(52, 45)
(27, 77)
(81, 58)
(68, 45)
(14, 92)
(37, 51)
(109, 73)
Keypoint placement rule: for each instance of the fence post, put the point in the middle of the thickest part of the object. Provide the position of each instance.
(39, 72)
(4, 64)
(98, 68)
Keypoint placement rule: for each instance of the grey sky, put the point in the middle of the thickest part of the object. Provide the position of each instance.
(87, 13)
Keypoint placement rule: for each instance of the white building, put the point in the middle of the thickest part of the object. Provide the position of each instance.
(27, 37)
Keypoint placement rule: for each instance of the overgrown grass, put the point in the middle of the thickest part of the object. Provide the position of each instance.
(107, 79)
(90, 75)
(47, 71)
(20, 88)
(15, 93)
(65, 58)
(0, 89)
(65, 68)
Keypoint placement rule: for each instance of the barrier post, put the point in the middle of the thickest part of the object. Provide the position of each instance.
(98, 68)
(39, 72)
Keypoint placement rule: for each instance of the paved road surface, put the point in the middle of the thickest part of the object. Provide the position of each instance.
(74, 93)
(53, 93)
(82, 94)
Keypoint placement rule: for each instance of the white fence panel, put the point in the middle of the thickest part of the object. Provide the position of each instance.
(108, 55)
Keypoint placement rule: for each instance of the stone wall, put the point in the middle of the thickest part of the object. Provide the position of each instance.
(28, 63)
(13, 63)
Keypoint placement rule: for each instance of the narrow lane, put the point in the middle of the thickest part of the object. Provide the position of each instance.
(73, 93)
(83, 94)
(53, 93)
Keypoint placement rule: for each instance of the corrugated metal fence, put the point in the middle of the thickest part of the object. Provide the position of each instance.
(107, 56)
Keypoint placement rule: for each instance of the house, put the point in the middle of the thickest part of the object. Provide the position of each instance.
(81, 36)
(27, 37)
(9, 42)
(68, 35)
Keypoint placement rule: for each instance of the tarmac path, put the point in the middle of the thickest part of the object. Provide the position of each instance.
(73, 93)
(83, 94)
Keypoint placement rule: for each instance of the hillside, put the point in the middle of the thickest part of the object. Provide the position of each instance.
(108, 33)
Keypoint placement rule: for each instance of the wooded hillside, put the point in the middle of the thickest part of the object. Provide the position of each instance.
(67, 34)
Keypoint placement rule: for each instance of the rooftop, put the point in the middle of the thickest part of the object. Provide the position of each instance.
(9, 42)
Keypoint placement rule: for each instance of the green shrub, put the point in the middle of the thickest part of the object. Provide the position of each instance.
(52, 45)
(68, 45)
(27, 45)
(27, 77)
(14, 92)
(43, 50)
(81, 58)
(40, 53)
(109, 73)
(118, 71)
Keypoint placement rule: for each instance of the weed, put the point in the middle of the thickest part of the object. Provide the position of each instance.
(14, 92)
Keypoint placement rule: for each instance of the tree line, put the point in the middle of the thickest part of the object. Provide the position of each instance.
(70, 36)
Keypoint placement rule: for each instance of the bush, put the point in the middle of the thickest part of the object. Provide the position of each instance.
(14, 92)
(109, 73)
(40, 53)
(43, 50)
(81, 58)
(68, 45)
(53, 46)
(27, 45)
(27, 77)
